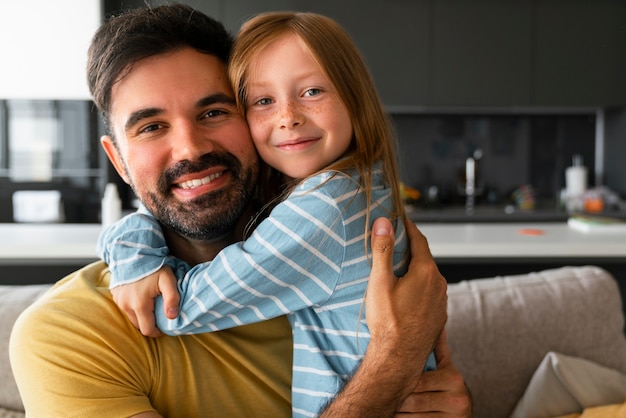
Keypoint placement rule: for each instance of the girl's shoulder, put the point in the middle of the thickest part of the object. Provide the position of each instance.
(329, 182)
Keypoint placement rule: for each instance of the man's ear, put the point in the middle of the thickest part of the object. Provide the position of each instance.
(114, 156)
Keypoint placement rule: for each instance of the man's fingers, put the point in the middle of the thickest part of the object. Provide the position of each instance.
(383, 239)
(418, 242)
(169, 292)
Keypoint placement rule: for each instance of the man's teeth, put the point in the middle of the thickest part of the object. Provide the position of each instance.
(190, 184)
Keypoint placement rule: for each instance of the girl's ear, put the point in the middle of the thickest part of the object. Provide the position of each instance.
(114, 156)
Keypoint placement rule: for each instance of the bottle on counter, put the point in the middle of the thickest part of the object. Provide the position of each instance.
(111, 205)
(575, 184)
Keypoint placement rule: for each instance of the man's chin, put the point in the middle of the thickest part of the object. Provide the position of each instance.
(206, 221)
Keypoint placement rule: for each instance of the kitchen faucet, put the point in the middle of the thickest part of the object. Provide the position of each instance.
(471, 187)
(470, 184)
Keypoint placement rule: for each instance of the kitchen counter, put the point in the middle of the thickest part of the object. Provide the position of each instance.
(48, 243)
(76, 243)
(520, 240)
(44, 253)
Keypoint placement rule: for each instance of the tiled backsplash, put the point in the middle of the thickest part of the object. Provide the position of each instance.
(514, 150)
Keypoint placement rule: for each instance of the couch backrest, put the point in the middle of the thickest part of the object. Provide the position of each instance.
(13, 300)
(500, 329)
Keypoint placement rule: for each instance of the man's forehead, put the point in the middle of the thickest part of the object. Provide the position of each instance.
(164, 80)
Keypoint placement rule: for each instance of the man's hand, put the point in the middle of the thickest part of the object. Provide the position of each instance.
(406, 317)
(406, 314)
(136, 300)
(441, 392)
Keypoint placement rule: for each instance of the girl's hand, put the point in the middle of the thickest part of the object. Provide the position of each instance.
(136, 300)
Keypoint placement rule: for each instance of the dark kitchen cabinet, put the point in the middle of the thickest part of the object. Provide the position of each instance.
(480, 53)
(548, 53)
(579, 54)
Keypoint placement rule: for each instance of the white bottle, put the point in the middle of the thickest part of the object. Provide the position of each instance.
(111, 205)
(575, 184)
(576, 178)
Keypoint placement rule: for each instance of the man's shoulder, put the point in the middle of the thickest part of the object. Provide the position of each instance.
(82, 293)
(94, 276)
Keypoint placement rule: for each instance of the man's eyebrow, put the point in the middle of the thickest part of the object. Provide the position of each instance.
(217, 98)
(138, 115)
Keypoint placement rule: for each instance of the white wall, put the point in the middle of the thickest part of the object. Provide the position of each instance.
(43, 47)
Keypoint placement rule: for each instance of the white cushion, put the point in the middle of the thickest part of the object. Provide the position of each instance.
(500, 329)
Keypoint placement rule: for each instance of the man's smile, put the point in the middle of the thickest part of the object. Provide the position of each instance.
(191, 184)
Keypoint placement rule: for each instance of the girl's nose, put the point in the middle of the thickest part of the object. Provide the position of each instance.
(290, 115)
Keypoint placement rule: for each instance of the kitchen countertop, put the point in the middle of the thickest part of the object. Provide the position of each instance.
(76, 243)
(520, 240)
(48, 243)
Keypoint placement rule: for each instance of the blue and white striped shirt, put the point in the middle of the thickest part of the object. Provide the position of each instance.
(308, 260)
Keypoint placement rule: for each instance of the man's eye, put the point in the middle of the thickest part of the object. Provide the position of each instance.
(214, 113)
(151, 128)
(312, 92)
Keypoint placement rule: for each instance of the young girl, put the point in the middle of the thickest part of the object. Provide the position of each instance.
(314, 116)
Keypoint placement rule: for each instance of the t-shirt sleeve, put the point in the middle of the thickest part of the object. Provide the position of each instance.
(74, 354)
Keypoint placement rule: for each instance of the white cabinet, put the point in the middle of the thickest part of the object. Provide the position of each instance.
(44, 48)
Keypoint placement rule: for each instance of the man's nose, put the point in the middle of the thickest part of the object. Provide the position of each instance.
(290, 115)
(190, 142)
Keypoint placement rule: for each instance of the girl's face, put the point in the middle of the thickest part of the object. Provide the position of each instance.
(298, 123)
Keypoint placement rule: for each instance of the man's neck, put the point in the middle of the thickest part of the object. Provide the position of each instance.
(198, 251)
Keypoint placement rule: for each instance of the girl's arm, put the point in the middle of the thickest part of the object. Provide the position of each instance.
(292, 261)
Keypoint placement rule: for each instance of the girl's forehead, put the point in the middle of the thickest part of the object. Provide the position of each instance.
(279, 51)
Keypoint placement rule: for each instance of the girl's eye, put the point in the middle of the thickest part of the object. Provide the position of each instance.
(312, 92)
(264, 101)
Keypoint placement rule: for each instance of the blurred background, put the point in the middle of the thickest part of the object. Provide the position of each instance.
(502, 94)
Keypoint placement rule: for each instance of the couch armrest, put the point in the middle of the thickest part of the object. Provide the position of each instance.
(13, 300)
(500, 329)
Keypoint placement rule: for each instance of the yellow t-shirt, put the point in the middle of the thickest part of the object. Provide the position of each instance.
(75, 354)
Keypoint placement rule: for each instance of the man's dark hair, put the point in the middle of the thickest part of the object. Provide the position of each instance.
(137, 34)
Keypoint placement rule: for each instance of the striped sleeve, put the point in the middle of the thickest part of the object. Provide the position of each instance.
(133, 247)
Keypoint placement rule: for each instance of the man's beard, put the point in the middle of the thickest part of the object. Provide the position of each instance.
(212, 215)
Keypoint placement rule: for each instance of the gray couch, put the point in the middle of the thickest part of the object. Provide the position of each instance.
(499, 330)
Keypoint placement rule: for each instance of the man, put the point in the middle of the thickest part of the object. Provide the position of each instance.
(158, 76)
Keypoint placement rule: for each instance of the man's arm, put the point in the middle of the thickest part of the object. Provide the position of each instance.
(406, 318)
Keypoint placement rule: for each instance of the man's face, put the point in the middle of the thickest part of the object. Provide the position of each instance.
(181, 144)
